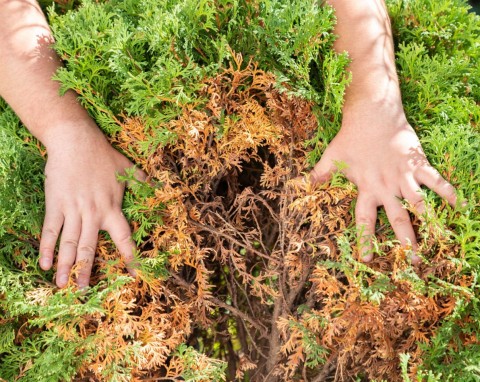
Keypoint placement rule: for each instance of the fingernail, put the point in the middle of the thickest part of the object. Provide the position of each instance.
(45, 263)
(132, 272)
(415, 260)
(367, 258)
(62, 280)
(82, 284)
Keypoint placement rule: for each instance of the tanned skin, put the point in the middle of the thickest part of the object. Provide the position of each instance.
(383, 155)
(82, 193)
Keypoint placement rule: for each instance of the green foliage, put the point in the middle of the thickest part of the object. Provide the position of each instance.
(438, 60)
(147, 59)
(213, 371)
(447, 354)
(50, 358)
(21, 185)
(29, 307)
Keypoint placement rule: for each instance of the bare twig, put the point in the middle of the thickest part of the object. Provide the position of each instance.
(181, 282)
(233, 239)
(328, 368)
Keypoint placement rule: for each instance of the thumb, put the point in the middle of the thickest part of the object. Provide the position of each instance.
(140, 175)
(322, 172)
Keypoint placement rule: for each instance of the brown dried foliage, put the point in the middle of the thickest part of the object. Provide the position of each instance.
(249, 249)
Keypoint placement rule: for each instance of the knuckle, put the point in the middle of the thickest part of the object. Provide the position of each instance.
(416, 203)
(70, 243)
(50, 232)
(400, 220)
(46, 249)
(451, 192)
(364, 220)
(93, 209)
(89, 249)
(125, 239)
(440, 182)
(84, 267)
(317, 177)
(365, 242)
(64, 265)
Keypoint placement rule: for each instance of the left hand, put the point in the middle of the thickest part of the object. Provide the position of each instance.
(384, 158)
(83, 196)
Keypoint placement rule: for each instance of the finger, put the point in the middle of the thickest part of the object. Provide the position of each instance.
(121, 234)
(402, 226)
(140, 175)
(412, 192)
(322, 172)
(86, 251)
(52, 225)
(68, 249)
(365, 220)
(431, 178)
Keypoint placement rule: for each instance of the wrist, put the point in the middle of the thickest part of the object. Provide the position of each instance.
(374, 115)
(377, 87)
(71, 134)
(373, 94)
(372, 105)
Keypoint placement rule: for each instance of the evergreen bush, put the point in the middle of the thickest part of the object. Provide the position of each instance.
(243, 274)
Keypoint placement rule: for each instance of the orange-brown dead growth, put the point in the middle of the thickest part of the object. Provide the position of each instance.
(254, 257)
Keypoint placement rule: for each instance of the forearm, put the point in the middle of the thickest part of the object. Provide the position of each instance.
(27, 64)
(82, 193)
(364, 32)
(382, 153)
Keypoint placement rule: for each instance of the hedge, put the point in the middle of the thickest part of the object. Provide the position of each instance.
(244, 275)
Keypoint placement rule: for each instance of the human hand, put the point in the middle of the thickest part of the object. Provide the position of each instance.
(384, 158)
(83, 196)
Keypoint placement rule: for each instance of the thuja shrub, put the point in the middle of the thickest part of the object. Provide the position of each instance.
(244, 273)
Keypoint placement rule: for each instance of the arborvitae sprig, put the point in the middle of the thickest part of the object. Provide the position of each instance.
(231, 260)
